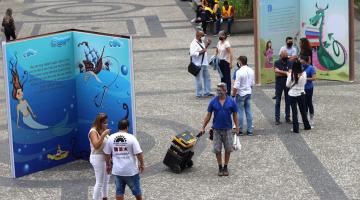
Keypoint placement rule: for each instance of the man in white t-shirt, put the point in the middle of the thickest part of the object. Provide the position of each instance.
(291, 50)
(125, 151)
(242, 91)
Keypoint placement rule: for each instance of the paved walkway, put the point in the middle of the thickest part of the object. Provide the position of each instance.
(323, 163)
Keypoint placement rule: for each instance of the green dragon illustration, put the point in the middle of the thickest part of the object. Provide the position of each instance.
(325, 58)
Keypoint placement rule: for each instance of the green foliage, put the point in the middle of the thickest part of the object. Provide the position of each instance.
(357, 5)
(243, 8)
(357, 2)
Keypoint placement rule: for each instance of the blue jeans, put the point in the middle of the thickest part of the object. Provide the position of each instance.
(203, 83)
(244, 103)
(309, 107)
(280, 87)
(132, 181)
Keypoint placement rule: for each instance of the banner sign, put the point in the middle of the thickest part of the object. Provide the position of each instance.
(325, 23)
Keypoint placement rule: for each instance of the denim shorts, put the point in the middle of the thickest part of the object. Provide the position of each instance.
(222, 137)
(132, 181)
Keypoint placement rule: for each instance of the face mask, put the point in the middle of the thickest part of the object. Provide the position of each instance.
(289, 45)
(238, 65)
(221, 38)
(202, 38)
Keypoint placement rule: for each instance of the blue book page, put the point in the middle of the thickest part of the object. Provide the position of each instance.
(277, 19)
(103, 83)
(42, 95)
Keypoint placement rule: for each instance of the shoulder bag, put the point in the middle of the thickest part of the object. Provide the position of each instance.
(194, 69)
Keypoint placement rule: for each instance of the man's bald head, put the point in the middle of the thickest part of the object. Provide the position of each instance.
(283, 54)
(199, 34)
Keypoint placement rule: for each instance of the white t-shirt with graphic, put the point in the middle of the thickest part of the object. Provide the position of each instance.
(123, 147)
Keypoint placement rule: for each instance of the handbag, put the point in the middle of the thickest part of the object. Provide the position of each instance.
(236, 143)
(194, 69)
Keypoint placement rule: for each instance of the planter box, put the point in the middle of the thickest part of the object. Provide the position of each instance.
(239, 26)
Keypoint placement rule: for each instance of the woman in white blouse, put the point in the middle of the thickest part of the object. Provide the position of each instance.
(296, 82)
(224, 53)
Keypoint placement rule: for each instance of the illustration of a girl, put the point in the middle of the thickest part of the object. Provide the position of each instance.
(268, 53)
(23, 106)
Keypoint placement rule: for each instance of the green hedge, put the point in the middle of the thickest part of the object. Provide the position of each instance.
(243, 8)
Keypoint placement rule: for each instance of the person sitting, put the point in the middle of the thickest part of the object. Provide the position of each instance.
(227, 15)
(216, 15)
(207, 16)
(199, 11)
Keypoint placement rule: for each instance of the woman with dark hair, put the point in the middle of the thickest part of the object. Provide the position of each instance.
(305, 49)
(98, 135)
(9, 25)
(296, 82)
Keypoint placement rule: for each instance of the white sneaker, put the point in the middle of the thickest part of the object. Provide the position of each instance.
(193, 20)
(311, 120)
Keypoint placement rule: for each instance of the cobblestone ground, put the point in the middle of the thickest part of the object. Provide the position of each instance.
(323, 163)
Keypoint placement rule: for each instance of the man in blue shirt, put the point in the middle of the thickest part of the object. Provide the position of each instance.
(223, 107)
(281, 68)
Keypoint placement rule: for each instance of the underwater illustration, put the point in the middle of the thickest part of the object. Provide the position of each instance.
(57, 87)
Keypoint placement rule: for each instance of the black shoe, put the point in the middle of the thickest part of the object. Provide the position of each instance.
(220, 173)
(288, 121)
(209, 95)
(249, 133)
(240, 133)
(309, 128)
(277, 123)
(292, 130)
(225, 171)
(274, 97)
